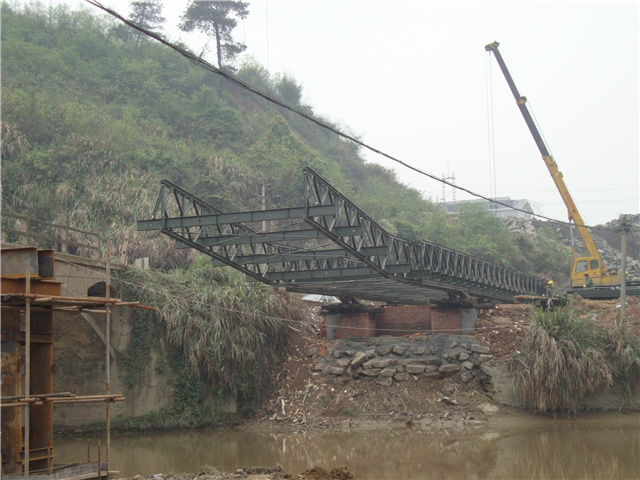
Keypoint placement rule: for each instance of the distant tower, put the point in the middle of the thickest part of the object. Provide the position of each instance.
(451, 178)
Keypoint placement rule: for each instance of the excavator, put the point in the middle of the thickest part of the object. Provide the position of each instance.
(591, 265)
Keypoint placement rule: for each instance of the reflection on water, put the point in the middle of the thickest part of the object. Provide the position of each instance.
(559, 449)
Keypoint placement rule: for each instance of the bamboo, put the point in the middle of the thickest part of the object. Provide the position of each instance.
(15, 404)
(33, 296)
(40, 395)
(108, 358)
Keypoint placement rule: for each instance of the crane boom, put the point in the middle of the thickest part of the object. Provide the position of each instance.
(602, 277)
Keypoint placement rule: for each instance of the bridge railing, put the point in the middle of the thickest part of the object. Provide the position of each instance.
(22, 229)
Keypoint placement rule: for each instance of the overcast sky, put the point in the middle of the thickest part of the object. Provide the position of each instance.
(412, 79)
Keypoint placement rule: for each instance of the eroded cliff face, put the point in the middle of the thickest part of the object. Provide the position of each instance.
(607, 239)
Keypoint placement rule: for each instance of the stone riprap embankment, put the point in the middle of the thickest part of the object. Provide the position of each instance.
(392, 359)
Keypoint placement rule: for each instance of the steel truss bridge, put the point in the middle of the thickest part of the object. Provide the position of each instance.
(329, 246)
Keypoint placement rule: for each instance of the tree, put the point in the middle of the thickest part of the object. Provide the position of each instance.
(217, 20)
(147, 14)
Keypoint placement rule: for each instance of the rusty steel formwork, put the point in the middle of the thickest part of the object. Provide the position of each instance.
(30, 296)
(27, 363)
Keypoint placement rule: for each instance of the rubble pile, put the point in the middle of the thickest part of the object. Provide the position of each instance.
(396, 359)
(607, 239)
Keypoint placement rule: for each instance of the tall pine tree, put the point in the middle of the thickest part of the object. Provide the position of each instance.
(217, 20)
(147, 14)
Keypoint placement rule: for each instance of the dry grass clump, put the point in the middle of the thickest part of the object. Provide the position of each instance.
(232, 333)
(567, 356)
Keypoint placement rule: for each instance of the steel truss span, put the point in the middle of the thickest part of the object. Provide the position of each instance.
(330, 246)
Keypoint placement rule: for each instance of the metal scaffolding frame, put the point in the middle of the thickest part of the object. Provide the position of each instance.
(330, 246)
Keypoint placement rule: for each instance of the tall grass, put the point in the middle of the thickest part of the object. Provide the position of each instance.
(232, 333)
(565, 357)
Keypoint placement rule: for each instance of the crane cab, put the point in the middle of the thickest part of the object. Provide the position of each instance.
(597, 272)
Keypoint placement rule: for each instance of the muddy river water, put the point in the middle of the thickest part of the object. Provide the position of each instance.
(603, 446)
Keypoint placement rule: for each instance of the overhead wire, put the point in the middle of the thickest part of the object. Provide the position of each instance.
(236, 81)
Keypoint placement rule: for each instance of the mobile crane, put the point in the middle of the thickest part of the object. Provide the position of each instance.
(592, 264)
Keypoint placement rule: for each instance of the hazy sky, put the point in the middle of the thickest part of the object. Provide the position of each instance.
(411, 79)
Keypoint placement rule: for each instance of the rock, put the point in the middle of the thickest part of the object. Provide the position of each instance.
(339, 353)
(387, 372)
(418, 350)
(453, 344)
(319, 366)
(463, 356)
(449, 368)
(371, 372)
(333, 370)
(413, 368)
(488, 408)
(484, 358)
(431, 360)
(421, 338)
(401, 377)
(432, 368)
(434, 350)
(467, 365)
(382, 351)
(480, 348)
(433, 376)
(381, 363)
(343, 362)
(311, 351)
(385, 381)
(400, 349)
(358, 359)
(466, 376)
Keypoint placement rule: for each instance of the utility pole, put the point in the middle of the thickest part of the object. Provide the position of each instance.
(623, 273)
(263, 197)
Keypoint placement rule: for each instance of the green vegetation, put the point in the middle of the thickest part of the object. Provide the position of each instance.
(221, 332)
(566, 357)
(93, 119)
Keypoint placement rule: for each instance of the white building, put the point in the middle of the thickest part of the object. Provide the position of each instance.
(500, 211)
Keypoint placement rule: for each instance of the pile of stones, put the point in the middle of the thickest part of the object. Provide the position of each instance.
(388, 359)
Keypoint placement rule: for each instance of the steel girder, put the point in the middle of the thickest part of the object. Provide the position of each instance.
(358, 258)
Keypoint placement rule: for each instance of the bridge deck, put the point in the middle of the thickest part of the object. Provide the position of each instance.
(330, 246)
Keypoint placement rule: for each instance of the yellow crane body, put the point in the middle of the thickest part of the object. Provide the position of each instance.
(591, 265)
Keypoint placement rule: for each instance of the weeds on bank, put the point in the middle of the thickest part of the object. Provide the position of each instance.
(565, 357)
(230, 334)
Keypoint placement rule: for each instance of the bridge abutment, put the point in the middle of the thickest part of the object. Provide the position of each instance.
(400, 321)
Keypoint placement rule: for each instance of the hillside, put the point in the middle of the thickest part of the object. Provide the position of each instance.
(92, 121)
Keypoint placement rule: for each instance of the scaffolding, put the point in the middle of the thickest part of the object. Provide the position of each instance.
(30, 297)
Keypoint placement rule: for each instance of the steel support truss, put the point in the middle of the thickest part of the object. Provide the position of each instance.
(330, 246)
